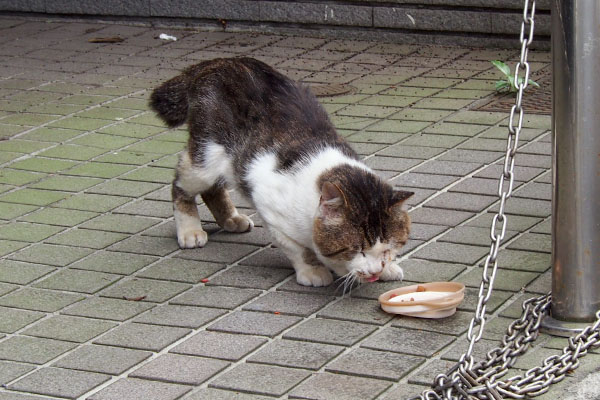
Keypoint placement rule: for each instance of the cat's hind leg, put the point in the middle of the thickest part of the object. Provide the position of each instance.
(220, 205)
(189, 181)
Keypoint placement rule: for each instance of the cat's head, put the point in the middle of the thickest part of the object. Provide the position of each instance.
(360, 224)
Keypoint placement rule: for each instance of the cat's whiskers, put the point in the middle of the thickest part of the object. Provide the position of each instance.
(348, 282)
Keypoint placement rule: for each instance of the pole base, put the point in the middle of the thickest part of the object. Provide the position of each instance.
(560, 328)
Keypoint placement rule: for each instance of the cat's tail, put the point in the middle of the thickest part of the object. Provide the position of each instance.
(170, 101)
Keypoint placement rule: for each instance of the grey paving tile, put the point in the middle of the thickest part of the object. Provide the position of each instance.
(245, 276)
(329, 331)
(39, 299)
(103, 359)
(221, 345)
(22, 273)
(451, 252)
(257, 236)
(175, 368)
(461, 201)
(145, 289)
(408, 341)
(533, 242)
(473, 235)
(180, 316)
(215, 296)
(74, 280)
(405, 391)
(427, 373)
(180, 270)
(325, 386)
(105, 308)
(470, 302)
(454, 168)
(219, 252)
(375, 364)
(296, 354)
(148, 245)
(425, 231)
(217, 394)
(427, 181)
(289, 303)
(260, 379)
(454, 325)
(138, 389)
(357, 310)
(270, 257)
(60, 256)
(439, 216)
(142, 336)
(32, 350)
(518, 223)
(391, 163)
(292, 286)
(114, 262)
(59, 382)
(13, 319)
(529, 207)
(67, 328)
(416, 270)
(10, 371)
(254, 323)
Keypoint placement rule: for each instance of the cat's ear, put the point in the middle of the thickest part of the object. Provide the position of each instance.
(399, 197)
(331, 202)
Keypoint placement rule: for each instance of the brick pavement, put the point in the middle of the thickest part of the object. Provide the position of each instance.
(96, 299)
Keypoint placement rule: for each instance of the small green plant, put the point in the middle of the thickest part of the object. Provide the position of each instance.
(507, 84)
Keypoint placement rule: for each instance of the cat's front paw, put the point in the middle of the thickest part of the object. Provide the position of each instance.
(392, 272)
(191, 238)
(238, 223)
(314, 276)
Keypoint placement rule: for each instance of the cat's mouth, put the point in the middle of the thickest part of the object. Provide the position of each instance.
(368, 277)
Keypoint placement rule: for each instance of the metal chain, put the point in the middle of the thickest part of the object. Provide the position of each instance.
(467, 380)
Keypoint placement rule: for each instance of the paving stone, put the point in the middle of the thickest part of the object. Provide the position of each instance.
(257, 236)
(529, 207)
(462, 201)
(180, 270)
(296, 354)
(25, 232)
(7, 288)
(391, 163)
(73, 280)
(454, 168)
(13, 319)
(439, 216)
(473, 235)
(456, 324)
(533, 242)
(58, 216)
(270, 257)
(86, 238)
(326, 386)
(521, 174)
(261, 379)
(142, 336)
(120, 223)
(32, 350)
(427, 373)
(220, 345)
(138, 389)
(250, 277)
(541, 284)
(216, 394)
(60, 256)
(471, 298)
(105, 308)
(147, 289)
(427, 181)
(254, 323)
(10, 211)
(115, 263)
(149, 208)
(405, 391)
(155, 246)
(180, 316)
(10, 371)
(479, 351)
(92, 202)
(416, 270)
(451, 252)
(70, 329)
(39, 299)
(182, 369)
(289, 303)
(375, 364)
(515, 222)
(356, 310)
(216, 296)
(104, 359)
(22, 273)
(408, 341)
(60, 382)
(524, 260)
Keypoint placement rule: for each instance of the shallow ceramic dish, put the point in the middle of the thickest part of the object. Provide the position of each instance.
(426, 300)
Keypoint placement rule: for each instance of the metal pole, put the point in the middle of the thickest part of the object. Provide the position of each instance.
(576, 162)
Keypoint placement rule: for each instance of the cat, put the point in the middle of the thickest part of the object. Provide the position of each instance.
(256, 130)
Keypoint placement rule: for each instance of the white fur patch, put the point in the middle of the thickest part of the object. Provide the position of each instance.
(195, 179)
(189, 231)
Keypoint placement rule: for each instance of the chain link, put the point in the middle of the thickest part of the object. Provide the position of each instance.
(466, 380)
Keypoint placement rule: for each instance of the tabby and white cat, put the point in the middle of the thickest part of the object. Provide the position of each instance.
(253, 129)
